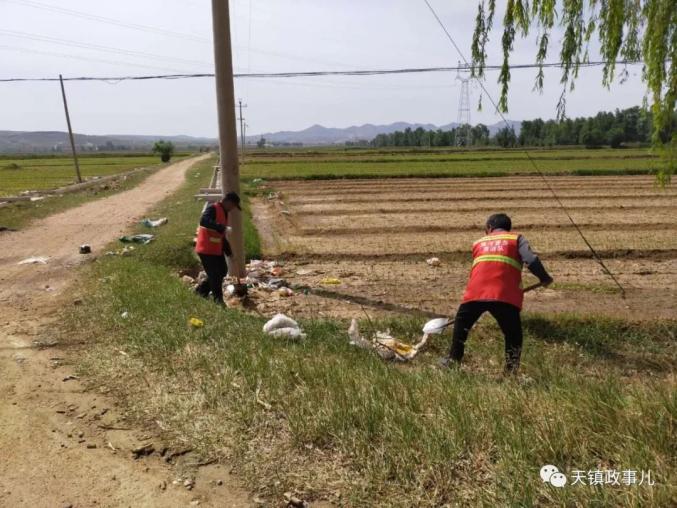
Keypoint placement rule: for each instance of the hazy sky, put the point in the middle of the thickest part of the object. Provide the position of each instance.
(38, 39)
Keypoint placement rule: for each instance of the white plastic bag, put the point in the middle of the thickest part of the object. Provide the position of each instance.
(279, 321)
(288, 333)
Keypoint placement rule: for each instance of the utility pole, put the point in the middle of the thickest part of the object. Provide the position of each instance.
(242, 134)
(225, 99)
(70, 131)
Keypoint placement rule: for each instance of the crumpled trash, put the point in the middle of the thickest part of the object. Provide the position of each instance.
(285, 291)
(150, 223)
(386, 346)
(331, 281)
(37, 260)
(85, 249)
(196, 322)
(433, 261)
(142, 239)
(288, 333)
(283, 326)
(276, 283)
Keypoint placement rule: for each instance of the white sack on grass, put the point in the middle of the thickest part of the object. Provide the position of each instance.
(288, 333)
(279, 321)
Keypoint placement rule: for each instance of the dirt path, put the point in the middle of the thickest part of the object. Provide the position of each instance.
(61, 445)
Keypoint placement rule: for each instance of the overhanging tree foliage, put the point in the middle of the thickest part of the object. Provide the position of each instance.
(627, 30)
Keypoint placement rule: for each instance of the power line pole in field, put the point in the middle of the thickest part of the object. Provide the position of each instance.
(463, 131)
(242, 127)
(70, 131)
(225, 99)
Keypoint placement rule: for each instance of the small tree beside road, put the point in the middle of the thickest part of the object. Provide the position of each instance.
(165, 149)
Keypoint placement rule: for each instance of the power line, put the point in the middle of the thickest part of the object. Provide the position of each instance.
(86, 59)
(533, 162)
(259, 75)
(98, 47)
(110, 21)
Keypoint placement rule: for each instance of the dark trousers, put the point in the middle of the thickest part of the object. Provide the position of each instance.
(508, 317)
(216, 269)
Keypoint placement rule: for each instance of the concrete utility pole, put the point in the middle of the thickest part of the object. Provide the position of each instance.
(242, 134)
(70, 131)
(225, 99)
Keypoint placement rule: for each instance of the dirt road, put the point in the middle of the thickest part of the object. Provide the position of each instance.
(59, 444)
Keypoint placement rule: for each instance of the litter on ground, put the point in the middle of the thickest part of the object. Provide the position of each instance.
(150, 223)
(437, 325)
(433, 261)
(142, 239)
(330, 281)
(196, 323)
(386, 346)
(283, 326)
(37, 260)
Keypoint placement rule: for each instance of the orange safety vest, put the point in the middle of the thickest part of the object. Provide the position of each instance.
(210, 241)
(496, 273)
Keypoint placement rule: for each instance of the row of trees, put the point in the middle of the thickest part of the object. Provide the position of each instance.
(631, 125)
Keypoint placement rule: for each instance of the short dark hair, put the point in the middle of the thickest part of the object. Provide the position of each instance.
(499, 221)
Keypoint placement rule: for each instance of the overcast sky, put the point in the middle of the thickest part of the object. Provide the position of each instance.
(39, 39)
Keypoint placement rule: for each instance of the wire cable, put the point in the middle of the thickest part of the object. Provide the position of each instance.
(373, 72)
(98, 47)
(110, 21)
(533, 162)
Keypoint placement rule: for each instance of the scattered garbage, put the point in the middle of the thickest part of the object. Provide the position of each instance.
(37, 198)
(330, 281)
(125, 251)
(386, 346)
(433, 261)
(142, 238)
(124, 315)
(436, 326)
(276, 271)
(150, 223)
(85, 249)
(283, 326)
(276, 283)
(288, 333)
(305, 271)
(37, 260)
(284, 291)
(196, 323)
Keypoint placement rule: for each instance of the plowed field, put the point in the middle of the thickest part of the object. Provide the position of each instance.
(375, 236)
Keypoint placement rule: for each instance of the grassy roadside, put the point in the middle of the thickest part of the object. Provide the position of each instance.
(19, 214)
(326, 420)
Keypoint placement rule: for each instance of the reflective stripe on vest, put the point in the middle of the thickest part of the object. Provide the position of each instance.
(500, 259)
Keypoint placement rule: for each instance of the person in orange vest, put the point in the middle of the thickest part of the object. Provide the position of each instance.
(212, 247)
(495, 286)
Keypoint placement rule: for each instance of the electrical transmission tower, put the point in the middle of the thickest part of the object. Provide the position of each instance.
(463, 130)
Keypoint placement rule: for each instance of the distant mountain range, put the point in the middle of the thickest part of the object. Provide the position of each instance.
(57, 141)
(320, 135)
